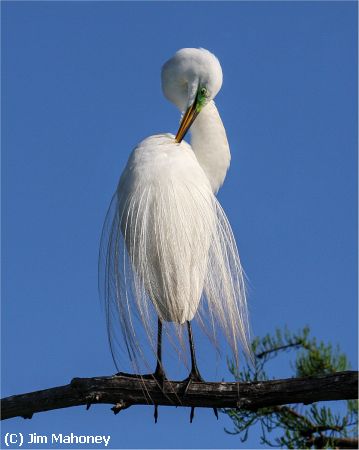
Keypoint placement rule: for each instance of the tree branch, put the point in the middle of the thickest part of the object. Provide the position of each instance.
(123, 392)
(322, 441)
(298, 343)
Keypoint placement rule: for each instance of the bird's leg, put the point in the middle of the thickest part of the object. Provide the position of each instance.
(194, 374)
(159, 374)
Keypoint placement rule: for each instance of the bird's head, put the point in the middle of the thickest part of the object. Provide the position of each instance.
(190, 80)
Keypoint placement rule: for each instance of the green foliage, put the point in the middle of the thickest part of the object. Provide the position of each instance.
(297, 426)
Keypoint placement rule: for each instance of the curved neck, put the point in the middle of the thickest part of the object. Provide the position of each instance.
(210, 145)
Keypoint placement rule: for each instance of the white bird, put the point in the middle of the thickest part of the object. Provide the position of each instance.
(167, 246)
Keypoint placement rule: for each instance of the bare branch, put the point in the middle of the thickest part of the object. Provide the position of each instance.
(123, 391)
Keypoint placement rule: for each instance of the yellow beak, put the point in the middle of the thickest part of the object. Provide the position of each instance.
(186, 122)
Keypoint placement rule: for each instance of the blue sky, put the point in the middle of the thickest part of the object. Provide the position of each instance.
(81, 86)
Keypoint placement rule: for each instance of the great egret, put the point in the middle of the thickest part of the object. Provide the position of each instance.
(167, 245)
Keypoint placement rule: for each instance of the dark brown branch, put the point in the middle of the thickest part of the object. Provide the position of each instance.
(322, 441)
(122, 392)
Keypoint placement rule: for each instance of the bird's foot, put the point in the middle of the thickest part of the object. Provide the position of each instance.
(193, 376)
(215, 410)
(196, 377)
(128, 375)
(155, 414)
(158, 375)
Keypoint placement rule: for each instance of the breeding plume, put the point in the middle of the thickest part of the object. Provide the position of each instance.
(168, 254)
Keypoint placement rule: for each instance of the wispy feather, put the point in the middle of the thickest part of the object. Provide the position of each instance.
(167, 249)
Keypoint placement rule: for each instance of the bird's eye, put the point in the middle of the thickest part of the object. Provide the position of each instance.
(204, 92)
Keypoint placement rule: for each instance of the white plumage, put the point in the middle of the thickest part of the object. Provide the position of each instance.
(167, 246)
(163, 225)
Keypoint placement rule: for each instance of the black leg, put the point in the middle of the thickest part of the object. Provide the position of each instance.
(194, 374)
(159, 373)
